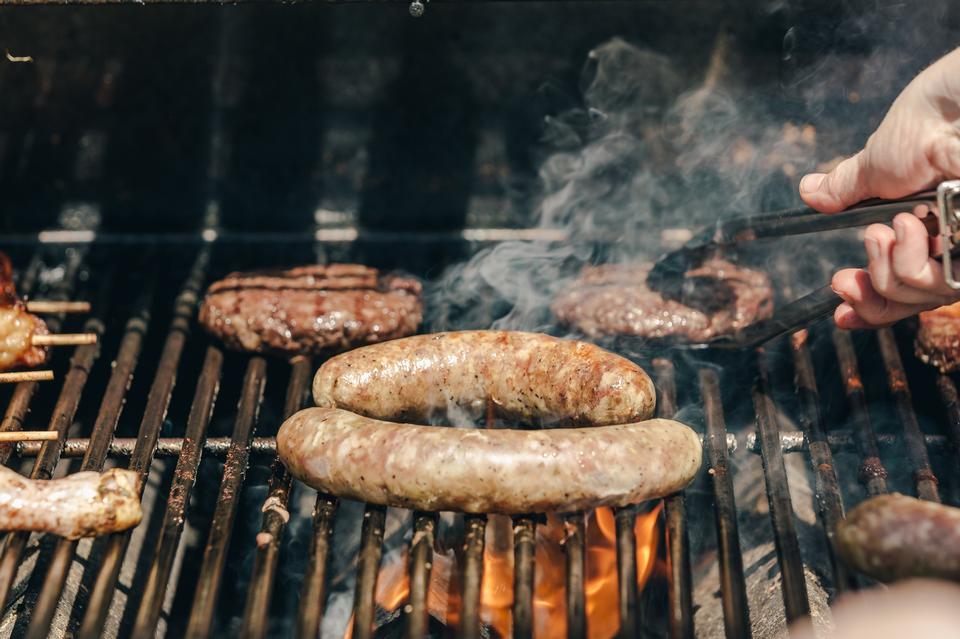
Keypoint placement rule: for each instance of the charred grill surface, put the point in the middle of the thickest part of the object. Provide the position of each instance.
(279, 531)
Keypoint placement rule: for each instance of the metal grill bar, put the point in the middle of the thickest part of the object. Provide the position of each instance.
(733, 587)
(840, 441)
(102, 434)
(46, 462)
(827, 487)
(266, 447)
(476, 526)
(166, 447)
(524, 567)
(573, 544)
(795, 599)
(185, 475)
(951, 402)
(627, 572)
(235, 469)
(371, 549)
(313, 591)
(275, 516)
(680, 592)
(421, 558)
(155, 412)
(872, 473)
(923, 476)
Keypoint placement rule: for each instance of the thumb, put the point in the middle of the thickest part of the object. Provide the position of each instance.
(842, 187)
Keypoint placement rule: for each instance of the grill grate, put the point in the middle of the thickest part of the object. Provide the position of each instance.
(38, 601)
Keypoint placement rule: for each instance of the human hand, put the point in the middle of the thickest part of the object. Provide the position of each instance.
(916, 146)
(918, 608)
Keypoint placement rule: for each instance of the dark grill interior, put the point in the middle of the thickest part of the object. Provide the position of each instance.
(147, 151)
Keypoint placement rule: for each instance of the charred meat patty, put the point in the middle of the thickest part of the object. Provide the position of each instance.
(311, 309)
(938, 339)
(611, 300)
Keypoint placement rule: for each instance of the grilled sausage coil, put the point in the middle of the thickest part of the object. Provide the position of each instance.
(479, 471)
(529, 377)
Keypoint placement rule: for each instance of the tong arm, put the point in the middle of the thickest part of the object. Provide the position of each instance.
(803, 220)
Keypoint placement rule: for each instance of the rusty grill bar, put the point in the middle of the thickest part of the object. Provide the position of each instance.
(40, 602)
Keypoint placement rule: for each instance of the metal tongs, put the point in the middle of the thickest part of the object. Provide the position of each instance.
(669, 275)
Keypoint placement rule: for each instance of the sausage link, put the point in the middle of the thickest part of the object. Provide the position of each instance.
(893, 537)
(530, 377)
(479, 470)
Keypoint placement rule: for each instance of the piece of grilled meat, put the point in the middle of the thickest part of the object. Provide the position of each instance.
(938, 339)
(17, 326)
(311, 309)
(614, 299)
(84, 504)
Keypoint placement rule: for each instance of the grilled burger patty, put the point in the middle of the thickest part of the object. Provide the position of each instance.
(613, 299)
(311, 309)
(938, 339)
(479, 471)
(529, 377)
(892, 537)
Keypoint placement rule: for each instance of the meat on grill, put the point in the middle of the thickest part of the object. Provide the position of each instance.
(84, 504)
(311, 309)
(614, 299)
(893, 537)
(17, 326)
(938, 339)
(529, 377)
(487, 470)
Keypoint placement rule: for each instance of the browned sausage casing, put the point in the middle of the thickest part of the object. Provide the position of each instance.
(530, 377)
(480, 470)
(893, 537)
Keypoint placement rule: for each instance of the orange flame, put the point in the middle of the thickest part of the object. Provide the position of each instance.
(601, 590)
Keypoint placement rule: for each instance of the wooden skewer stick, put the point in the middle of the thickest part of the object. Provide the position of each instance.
(64, 339)
(51, 306)
(29, 436)
(26, 376)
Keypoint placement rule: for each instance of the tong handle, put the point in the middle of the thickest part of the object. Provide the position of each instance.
(803, 220)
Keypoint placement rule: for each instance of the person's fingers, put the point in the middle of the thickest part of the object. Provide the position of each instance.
(857, 290)
(845, 317)
(881, 244)
(838, 189)
(910, 260)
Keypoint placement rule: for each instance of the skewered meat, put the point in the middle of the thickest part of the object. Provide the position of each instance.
(530, 377)
(614, 299)
(893, 537)
(938, 339)
(497, 470)
(311, 309)
(17, 326)
(84, 504)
